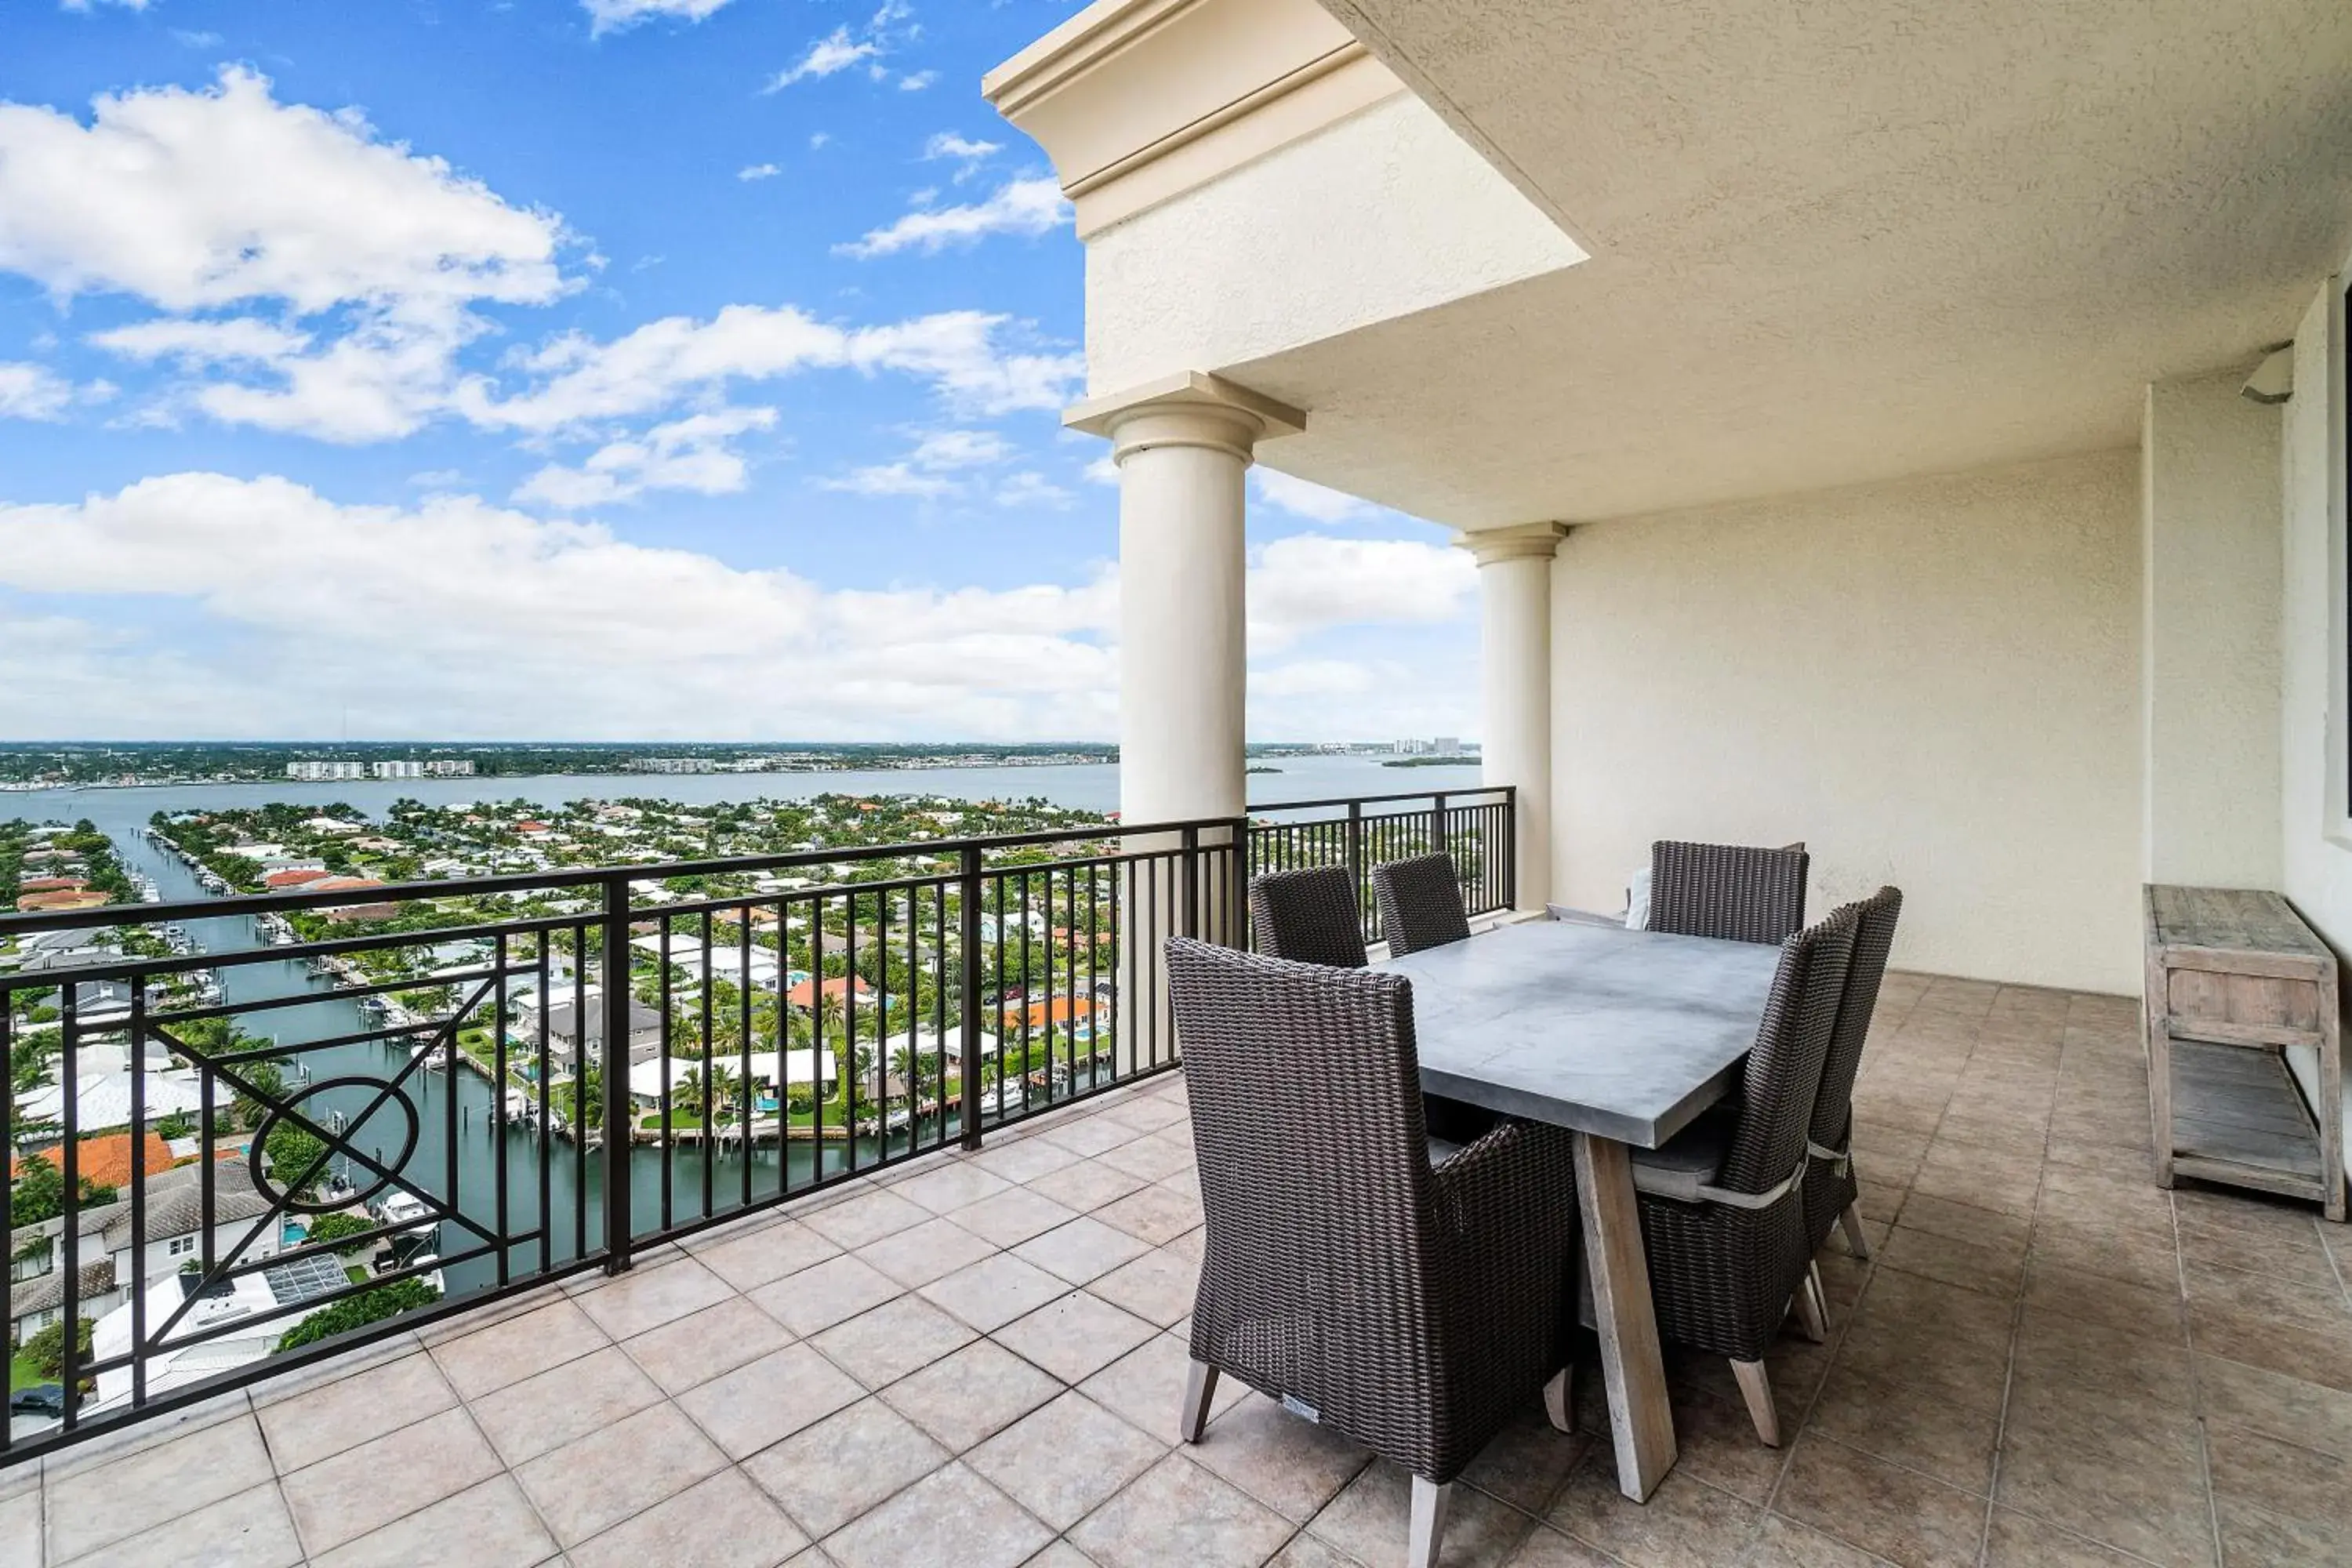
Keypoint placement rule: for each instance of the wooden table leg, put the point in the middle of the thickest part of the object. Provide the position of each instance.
(1639, 1417)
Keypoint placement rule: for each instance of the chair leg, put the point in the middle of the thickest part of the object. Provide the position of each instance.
(1812, 1308)
(1756, 1387)
(1200, 1389)
(1429, 1504)
(1849, 1222)
(1557, 1402)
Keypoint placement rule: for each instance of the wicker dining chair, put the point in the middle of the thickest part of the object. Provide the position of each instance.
(1734, 891)
(1409, 1308)
(1831, 1187)
(1308, 916)
(1723, 1202)
(1421, 903)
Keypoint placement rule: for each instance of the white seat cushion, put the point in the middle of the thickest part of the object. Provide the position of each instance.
(1690, 1160)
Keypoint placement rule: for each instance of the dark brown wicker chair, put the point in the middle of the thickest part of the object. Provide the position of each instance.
(1309, 917)
(1413, 1309)
(1831, 1189)
(1421, 903)
(1723, 1203)
(1733, 892)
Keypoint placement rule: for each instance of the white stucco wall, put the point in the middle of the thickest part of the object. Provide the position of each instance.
(2316, 844)
(2210, 672)
(1934, 683)
(1384, 213)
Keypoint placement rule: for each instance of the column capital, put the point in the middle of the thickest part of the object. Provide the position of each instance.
(1524, 541)
(1188, 408)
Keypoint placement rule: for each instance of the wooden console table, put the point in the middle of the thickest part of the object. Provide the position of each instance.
(2234, 977)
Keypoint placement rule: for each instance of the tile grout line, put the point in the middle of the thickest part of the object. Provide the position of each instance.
(2017, 1315)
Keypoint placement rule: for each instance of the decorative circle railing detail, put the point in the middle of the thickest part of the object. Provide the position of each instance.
(343, 1142)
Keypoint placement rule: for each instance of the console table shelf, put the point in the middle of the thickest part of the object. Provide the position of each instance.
(2236, 978)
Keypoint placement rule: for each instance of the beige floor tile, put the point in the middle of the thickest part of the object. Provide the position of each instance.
(1178, 1513)
(994, 1292)
(698, 1347)
(971, 1395)
(489, 1524)
(526, 1419)
(95, 1507)
(748, 1262)
(2090, 1247)
(2150, 1311)
(2309, 1414)
(365, 1489)
(2058, 1344)
(20, 1521)
(1685, 1524)
(2119, 1467)
(1782, 1543)
(1997, 1271)
(1087, 1185)
(518, 1347)
(1088, 1136)
(768, 1400)
(1147, 1386)
(1024, 1160)
(2278, 1503)
(948, 1516)
(1158, 1287)
(1544, 1548)
(830, 1293)
(248, 1529)
(851, 1461)
(1292, 1466)
(587, 1487)
(1153, 1158)
(321, 1422)
(957, 1185)
(2003, 1234)
(2265, 1343)
(1902, 1516)
(723, 1522)
(1369, 1521)
(1081, 1250)
(1011, 1217)
(652, 1294)
(867, 1217)
(922, 1253)
(1528, 1463)
(2019, 1541)
(2272, 1296)
(1075, 1336)
(1155, 1214)
(882, 1346)
(1062, 1458)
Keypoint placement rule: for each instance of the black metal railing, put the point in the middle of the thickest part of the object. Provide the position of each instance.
(359, 1117)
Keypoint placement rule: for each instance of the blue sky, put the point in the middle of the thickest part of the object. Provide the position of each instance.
(588, 368)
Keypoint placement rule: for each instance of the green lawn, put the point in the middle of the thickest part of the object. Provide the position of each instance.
(22, 1374)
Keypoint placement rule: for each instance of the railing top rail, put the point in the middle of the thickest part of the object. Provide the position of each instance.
(1256, 806)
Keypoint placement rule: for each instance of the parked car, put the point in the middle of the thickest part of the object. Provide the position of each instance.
(39, 1399)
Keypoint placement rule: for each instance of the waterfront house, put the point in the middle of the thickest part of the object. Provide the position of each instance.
(566, 1034)
(110, 1257)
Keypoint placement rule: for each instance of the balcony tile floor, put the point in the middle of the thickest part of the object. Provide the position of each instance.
(977, 1361)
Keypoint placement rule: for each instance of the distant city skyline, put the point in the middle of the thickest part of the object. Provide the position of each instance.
(615, 369)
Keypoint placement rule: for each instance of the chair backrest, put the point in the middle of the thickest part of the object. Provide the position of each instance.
(1305, 1090)
(1309, 917)
(1734, 891)
(1421, 902)
(1784, 1069)
(1873, 940)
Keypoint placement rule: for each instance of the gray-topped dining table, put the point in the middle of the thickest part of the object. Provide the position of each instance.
(1622, 1037)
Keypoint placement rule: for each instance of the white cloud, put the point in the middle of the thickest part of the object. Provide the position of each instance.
(945, 449)
(759, 172)
(1304, 498)
(237, 339)
(900, 478)
(88, 5)
(689, 454)
(457, 617)
(1311, 582)
(917, 82)
(188, 37)
(818, 139)
(836, 52)
(32, 392)
(436, 480)
(929, 473)
(1028, 206)
(961, 352)
(1103, 471)
(157, 197)
(1029, 489)
(968, 153)
(613, 15)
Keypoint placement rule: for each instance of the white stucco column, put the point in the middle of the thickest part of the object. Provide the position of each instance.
(1515, 646)
(1183, 446)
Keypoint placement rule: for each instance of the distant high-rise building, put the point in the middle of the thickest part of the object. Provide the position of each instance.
(1447, 746)
(397, 770)
(313, 771)
(447, 769)
(677, 765)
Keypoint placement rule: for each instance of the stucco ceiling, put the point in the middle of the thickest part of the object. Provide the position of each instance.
(1833, 242)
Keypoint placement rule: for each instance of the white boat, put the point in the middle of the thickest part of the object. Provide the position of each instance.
(405, 1210)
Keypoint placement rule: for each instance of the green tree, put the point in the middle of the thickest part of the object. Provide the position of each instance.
(329, 1228)
(41, 1194)
(357, 1311)
(297, 1159)
(47, 1349)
